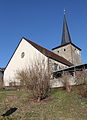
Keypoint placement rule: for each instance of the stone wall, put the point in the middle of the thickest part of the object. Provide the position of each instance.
(54, 65)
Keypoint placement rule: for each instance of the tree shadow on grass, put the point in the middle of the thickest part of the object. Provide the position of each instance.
(9, 112)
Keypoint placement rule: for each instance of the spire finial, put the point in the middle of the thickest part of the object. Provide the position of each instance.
(64, 11)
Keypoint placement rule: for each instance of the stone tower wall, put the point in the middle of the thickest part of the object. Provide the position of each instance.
(76, 55)
(70, 53)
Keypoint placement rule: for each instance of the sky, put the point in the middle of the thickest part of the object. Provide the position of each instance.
(41, 21)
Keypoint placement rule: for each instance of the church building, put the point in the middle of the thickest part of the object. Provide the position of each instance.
(27, 52)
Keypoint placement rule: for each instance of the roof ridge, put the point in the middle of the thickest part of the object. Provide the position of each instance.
(49, 53)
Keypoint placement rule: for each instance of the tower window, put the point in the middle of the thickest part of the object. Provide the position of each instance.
(64, 49)
(58, 51)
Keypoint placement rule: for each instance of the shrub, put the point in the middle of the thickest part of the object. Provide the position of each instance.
(1, 83)
(35, 78)
(66, 81)
(81, 77)
(82, 90)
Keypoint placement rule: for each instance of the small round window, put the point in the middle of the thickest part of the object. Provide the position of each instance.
(22, 55)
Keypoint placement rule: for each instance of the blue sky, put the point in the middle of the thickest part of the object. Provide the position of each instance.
(41, 21)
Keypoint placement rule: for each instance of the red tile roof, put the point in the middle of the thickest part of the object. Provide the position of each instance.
(50, 54)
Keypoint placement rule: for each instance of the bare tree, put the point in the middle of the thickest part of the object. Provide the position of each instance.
(36, 78)
(66, 81)
(81, 77)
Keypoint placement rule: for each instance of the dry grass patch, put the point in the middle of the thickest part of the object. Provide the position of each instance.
(60, 105)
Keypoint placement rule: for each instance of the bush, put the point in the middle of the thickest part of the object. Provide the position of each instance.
(82, 90)
(1, 83)
(35, 78)
(81, 77)
(66, 81)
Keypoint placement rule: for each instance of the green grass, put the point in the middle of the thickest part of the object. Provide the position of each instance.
(60, 105)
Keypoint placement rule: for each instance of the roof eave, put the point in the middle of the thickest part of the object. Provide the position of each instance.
(65, 45)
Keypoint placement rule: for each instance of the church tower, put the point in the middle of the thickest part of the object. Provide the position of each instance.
(67, 49)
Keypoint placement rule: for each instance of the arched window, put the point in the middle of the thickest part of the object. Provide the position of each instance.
(22, 55)
(64, 49)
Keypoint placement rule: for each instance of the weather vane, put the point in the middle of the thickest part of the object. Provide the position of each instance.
(64, 11)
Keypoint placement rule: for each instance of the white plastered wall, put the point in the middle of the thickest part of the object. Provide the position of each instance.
(57, 82)
(17, 63)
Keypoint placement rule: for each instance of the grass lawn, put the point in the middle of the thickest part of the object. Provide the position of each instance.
(60, 105)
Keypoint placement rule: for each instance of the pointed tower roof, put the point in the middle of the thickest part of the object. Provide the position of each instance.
(65, 34)
(66, 39)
